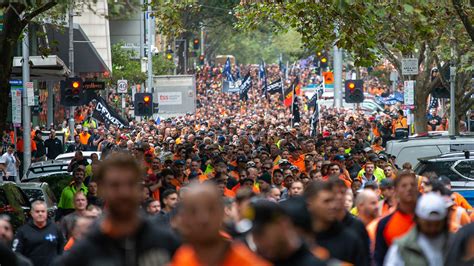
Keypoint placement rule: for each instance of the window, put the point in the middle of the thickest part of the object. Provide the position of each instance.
(465, 168)
(411, 154)
(442, 168)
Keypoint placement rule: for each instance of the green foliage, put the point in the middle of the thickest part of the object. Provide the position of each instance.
(252, 47)
(162, 66)
(57, 183)
(126, 65)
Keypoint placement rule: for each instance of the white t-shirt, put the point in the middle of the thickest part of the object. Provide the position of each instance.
(10, 163)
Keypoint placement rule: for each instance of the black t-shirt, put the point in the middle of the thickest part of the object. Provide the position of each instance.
(342, 244)
(301, 257)
(150, 245)
(54, 148)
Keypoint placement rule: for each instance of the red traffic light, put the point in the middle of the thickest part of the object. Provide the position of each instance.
(196, 41)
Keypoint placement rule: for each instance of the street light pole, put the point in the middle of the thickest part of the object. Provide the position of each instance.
(26, 108)
(71, 65)
(337, 77)
(149, 54)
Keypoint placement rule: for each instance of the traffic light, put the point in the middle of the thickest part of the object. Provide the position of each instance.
(169, 54)
(143, 104)
(323, 61)
(354, 91)
(201, 59)
(72, 93)
(196, 44)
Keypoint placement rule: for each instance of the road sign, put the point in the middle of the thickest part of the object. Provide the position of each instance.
(16, 106)
(30, 93)
(409, 66)
(393, 76)
(122, 86)
(409, 92)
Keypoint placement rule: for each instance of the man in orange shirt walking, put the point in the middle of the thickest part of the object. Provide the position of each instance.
(200, 220)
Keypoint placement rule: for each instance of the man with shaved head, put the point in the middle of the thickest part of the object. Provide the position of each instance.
(367, 205)
(201, 216)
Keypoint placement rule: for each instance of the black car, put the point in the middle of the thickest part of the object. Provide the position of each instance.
(457, 166)
(40, 191)
(14, 202)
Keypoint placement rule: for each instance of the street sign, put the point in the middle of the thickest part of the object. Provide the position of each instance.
(16, 106)
(393, 76)
(409, 92)
(93, 85)
(30, 93)
(409, 66)
(122, 86)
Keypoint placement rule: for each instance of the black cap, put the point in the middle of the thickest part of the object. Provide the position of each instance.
(241, 159)
(265, 177)
(444, 180)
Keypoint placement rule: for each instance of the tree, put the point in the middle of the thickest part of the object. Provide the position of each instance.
(16, 16)
(371, 30)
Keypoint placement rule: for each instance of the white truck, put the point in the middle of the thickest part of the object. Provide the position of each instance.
(175, 95)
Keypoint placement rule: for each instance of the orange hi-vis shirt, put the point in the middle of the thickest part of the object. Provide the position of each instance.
(237, 255)
(84, 138)
(298, 162)
(388, 230)
(460, 201)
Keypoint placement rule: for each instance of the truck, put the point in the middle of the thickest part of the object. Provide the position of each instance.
(175, 95)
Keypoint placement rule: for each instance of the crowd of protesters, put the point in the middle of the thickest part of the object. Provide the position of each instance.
(237, 183)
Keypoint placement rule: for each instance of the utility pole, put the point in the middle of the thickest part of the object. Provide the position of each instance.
(202, 39)
(337, 77)
(26, 108)
(71, 65)
(149, 54)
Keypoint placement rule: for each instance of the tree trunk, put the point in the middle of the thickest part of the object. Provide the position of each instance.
(420, 111)
(12, 28)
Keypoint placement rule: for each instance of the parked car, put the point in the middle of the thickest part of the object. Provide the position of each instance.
(67, 157)
(457, 166)
(46, 168)
(52, 172)
(409, 150)
(40, 191)
(14, 202)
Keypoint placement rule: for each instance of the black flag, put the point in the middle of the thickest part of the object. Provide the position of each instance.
(296, 111)
(315, 116)
(103, 112)
(245, 87)
(275, 87)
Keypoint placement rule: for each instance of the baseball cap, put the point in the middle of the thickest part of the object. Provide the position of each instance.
(444, 180)
(367, 149)
(339, 157)
(283, 161)
(265, 177)
(431, 206)
(241, 159)
(386, 183)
